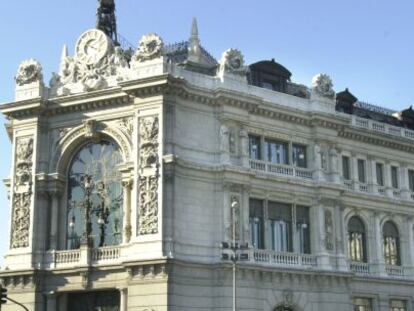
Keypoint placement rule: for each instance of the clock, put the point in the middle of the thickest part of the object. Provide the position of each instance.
(92, 46)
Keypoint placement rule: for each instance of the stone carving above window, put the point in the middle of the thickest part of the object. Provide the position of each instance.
(150, 47)
(29, 71)
(22, 193)
(148, 180)
(323, 86)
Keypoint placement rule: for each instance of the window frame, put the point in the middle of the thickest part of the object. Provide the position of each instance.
(352, 232)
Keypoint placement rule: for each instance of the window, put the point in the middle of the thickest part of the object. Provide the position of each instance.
(256, 223)
(280, 219)
(398, 305)
(361, 171)
(362, 304)
(411, 180)
(391, 244)
(91, 301)
(303, 229)
(394, 177)
(346, 171)
(276, 152)
(254, 147)
(379, 168)
(356, 240)
(94, 181)
(299, 155)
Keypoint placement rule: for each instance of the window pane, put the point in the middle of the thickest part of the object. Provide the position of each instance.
(303, 229)
(299, 155)
(391, 244)
(394, 176)
(411, 179)
(356, 240)
(362, 304)
(277, 152)
(345, 168)
(94, 168)
(361, 171)
(256, 223)
(380, 174)
(254, 147)
(280, 219)
(398, 305)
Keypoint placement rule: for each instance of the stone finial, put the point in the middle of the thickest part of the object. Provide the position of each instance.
(323, 86)
(150, 47)
(194, 50)
(29, 71)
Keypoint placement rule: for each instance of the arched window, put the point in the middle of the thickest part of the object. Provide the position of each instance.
(94, 201)
(391, 244)
(356, 240)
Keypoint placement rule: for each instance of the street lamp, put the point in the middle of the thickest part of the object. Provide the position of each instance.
(238, 251)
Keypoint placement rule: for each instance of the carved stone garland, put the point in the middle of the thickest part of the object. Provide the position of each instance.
(22, 194)
(148, 180)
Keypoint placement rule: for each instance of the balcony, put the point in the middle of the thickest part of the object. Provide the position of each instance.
(383, 128)
(281, 170)
(359, 268)
(396, 271)
(80, 257)
(284, 259)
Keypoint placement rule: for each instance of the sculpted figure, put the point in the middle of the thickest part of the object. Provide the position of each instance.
(322, 85)
(29, 71)
(224, 138)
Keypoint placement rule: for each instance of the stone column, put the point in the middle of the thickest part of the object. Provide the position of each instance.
(317, 157)
(354, 172)
(55, 196)
(127, 230)
(340, 233)
(51, 301)
(124, 299)
(410, 246)
(373, 180)
(244, 147)
(333, 165)
(378, 262)
(370, 168)
(245, 214)
(404, 185)
(387, 179)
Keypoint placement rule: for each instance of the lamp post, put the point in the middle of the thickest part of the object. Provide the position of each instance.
(237, 251)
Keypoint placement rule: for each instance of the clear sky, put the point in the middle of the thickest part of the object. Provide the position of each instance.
(364, 45)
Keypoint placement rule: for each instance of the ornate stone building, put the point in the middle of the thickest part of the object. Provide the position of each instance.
(132, 167)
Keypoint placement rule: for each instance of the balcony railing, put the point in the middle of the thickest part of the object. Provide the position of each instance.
(284, 259)
(361, 268)
(106, 253)
(280, 169)
(383, 128)
(65, 257)
(394, 270)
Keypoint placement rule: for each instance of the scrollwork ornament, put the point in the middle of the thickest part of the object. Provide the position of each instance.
(148, 212)
(150, 47)
(323, 86)
(29, 71)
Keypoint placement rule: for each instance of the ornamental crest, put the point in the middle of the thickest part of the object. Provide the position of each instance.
(150, 47)
(322, 85)
(29, 71)
(232, 61)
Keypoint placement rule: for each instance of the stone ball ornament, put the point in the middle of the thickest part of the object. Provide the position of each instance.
(29, 71)
(92, 46)
(150, 47)
(322, 85)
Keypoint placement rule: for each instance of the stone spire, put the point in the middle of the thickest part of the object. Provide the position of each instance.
(194, 50)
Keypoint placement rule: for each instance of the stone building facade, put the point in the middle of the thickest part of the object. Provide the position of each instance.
(130, 170)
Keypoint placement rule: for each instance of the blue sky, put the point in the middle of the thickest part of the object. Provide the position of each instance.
(364, 45)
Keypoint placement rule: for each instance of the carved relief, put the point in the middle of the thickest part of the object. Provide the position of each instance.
(148, 181)
(148, 212)
(127, 126)
(235, 218)
(29, 71)
(232, 61)
(148, 130)
(323, 86)
(150, 47)
(22, 193)
(329, 239)
(224, 138)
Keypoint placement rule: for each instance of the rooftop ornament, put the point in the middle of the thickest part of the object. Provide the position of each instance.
(29, 71)
(323, 86)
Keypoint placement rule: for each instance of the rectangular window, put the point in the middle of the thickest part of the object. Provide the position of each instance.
(346, 171)
(361, 171)
(362, 304)
(303, 229)
(276, 152)
(256, 223)
(411, 180)
(398, 305)
(280, 219)
(379, 168)
(254, 147)
(394, 177)
(299, 155)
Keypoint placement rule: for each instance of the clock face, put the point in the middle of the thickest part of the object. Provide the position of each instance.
(92, 46)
